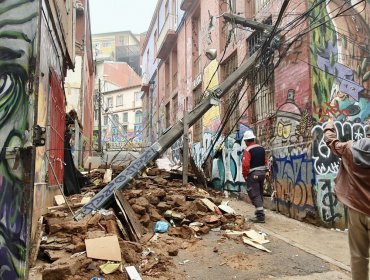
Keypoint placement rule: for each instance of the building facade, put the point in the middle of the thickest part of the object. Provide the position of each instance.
(121, 46)
(79, 86)
(121, 119)
(37, 47)
(317, 68)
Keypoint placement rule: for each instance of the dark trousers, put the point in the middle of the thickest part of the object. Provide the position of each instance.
(255, 182)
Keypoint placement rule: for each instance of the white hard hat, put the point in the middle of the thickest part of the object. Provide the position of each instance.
(248, 135)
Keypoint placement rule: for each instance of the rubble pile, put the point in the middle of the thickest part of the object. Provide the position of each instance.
(147, 225)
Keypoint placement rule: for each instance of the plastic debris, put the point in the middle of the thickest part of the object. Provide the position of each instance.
(161, 226)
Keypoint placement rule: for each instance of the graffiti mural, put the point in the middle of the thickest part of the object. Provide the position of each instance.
(340, 88)
(292, 165)
(18, 21)
(225, 161)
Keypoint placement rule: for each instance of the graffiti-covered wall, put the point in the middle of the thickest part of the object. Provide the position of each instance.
(18, 26)
(340, 87)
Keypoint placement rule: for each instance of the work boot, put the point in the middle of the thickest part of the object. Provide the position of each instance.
(257, 220)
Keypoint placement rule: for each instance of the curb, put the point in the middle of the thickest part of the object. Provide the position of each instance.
(307, 250)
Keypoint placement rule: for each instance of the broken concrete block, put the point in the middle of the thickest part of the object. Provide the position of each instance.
(138, 209)
(112, 228)
(172, 251)
(160, 193)
(142, 201)
(62, 268)
(55, 225)
(54, 255)
(160, 181)
(211, 206)
(59, 199)
(152, 199)
(95, 234)
(145, 220)
(163, 206)
(154, 215)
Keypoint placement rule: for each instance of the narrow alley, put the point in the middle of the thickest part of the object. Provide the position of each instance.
(184, 139)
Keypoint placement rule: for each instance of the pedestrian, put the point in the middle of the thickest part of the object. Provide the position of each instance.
(254, 172)
(352, 187)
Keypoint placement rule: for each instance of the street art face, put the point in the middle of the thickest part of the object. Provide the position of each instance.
(17, 33)
(340, 84)
(292, 165)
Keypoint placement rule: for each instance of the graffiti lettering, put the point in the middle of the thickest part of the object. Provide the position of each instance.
(329, 201)
(294, 178)
(325, 161)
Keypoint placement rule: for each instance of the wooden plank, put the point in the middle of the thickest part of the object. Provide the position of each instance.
(129, 215)
(63, 207)
(36, 242)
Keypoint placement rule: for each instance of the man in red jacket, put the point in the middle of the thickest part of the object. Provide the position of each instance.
(352, 187)
(254, 173)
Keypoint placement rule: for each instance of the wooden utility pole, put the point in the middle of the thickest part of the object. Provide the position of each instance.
(185, 152)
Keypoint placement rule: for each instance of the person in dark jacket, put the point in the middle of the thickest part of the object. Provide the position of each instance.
(352, 187)
(254, 173)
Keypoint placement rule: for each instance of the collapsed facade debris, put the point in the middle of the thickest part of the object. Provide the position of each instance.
(125, 234)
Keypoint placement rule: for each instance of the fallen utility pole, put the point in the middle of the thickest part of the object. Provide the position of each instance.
(169, 137)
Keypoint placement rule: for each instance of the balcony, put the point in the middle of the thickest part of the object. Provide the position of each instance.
(167, 36)
(145, 82)
(186, 4)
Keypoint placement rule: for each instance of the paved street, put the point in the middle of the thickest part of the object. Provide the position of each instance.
(299, 251)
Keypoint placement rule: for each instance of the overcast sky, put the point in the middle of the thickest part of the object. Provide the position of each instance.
(121, 15)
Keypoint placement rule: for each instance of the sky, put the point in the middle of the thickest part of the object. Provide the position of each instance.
(121, 15)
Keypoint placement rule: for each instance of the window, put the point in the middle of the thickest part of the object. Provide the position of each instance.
(261, 82)
(110, 102)
(125, 117)
(138, 96)
(138, 117)
(115, 119)
(264, 104)
(175, 108)
(119, 100)
(260, 4)
(124, 129)
(255, 40)
(105, 120)
(106, 44)
(229, 66)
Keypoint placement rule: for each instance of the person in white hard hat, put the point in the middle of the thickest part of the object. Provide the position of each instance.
(254, 172)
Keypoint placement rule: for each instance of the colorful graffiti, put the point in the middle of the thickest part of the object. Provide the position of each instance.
(292, 165)
(340, 85)
(18, 21)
